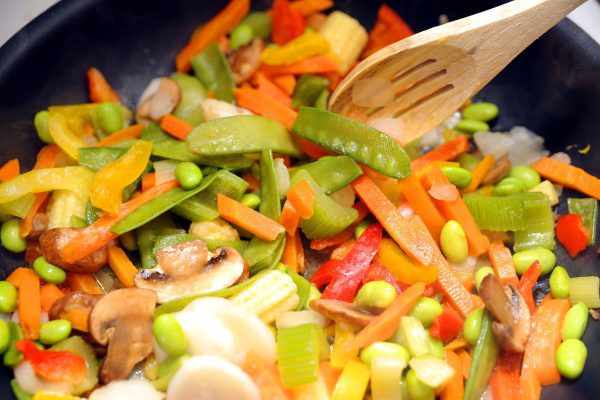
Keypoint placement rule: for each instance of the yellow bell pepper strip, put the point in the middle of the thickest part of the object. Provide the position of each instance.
(76, 179)
(340, 356)
(306, 45)
(391, 256)
(63, 136)
(352, 383)
(107, 188)
(78, 116)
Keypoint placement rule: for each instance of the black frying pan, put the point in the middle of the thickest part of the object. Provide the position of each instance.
(553, 88)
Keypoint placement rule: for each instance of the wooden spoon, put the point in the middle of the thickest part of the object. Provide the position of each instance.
(431, 74)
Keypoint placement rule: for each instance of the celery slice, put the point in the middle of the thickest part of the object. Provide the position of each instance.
(330, 172)
(539, 223)
(496, 213)
(431, 370)
(269, 203)
(585, 289)
(588, 209)
(298, 351)
(414, 336)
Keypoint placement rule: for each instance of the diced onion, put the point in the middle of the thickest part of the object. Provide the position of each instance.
(283, 178)
(562, 157)
(165, 171)
(372, 92)
(522, 146)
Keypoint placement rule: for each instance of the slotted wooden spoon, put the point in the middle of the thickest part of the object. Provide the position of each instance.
(435, 71)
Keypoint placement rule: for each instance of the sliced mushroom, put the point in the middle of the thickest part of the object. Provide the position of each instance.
(189, 268)
(122, 319)
(341, 311)
(75, 307)
(54, 240)
(499, 170)
(512, 325)
(245, 61)
(160, 97)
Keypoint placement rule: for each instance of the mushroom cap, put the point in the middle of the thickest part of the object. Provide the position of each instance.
(54, 240)
(342, 311)
(123, 320)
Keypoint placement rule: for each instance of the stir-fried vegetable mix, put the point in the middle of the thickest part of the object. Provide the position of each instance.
(230, 238)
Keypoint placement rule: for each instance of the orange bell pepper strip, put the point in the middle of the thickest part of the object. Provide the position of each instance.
(342, 250)
(310, 65)
(10, 170)
(133, 131)
(121, 265)
(289, 218)
(309, 7)
(49, 293)
(263, 104)
(175, 127)
(148, 181)
(100, 90)
(336, 240)
(446, 152)
(530, 386)
(504, 381)
(423, 206)
(212, 31)
(502, 262)
(401, 266)
(302, 198)
(479, 172)
(29, 303)
(454, 389)
(568, 176)
(248, 219)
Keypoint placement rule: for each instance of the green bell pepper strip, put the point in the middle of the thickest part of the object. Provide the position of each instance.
(18, 391)
(588, 209)
(193, 94)
(331, 173)
(269, 203)
(241, 134)
(329, 218)
(95, 158)
(180, 303)
(484, 357)
(76, 179)
(147, 235)
(152, 209)
(76, 345)
(18, 208)
(260, 22)
(212, 69)
(346, 136)
(539, 224)
(308, 89)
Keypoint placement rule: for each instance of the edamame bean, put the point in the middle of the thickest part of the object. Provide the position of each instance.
(437, 347)
(527, 175)
(524, 259)
(417, 390)
(459, 177)
(482, 273)
(49, 272)
(378, 294)
(508, 186)
(469, 161)
(41, 126)
(5, 336)
(570, 358)
(110, 117)
(250, 200)
(9, 235)
(472, 326)
(8, 297)
(454, 242)
(169, 335)
(240, 36)
(188, 175)
(383, 349)
(426, 310)
(472, 126)
(559, 283)
(575, 322)
(55, 331)
(360, 228)
(481, 111)
(128, 241)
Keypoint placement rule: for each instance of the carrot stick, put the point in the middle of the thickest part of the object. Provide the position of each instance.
(421, 202)
(384, 325)
(270, 89)
(309, 7)
(299, 253)
(248, 219)
(148, 181)
(121, 265)
(568, 175)
(10, 170)
(458, 211)
(29, 303)
(262, 104)
(100, 90)
(466, 361)
(454, 389)
(479, 172)
(290, 256)
(335, 240)
(93, 237)
(175, 127)
(49, 293)
(133, 131)
(504, 381)
(310, 65)
(414, 238)
(265, 376)
(502, 262)
(289, 218)
(313, 150)
(287, 83)
(446, 152)
(302, 198)
(83, 283)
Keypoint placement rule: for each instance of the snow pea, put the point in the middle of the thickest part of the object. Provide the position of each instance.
(241, 134)
(95, 158)
(212, 69)
(171, 240)
(484, 357)
(194, 209)
(213, 244)
(193, 94)
(346, 136)
(262, 254)
(269, 198)
(330, 172)
(147, 235)
(308, 89)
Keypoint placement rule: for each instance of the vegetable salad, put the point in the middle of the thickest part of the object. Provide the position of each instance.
(230, 238)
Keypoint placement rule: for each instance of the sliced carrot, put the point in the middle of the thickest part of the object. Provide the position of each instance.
(83, 283)
(287, 83)
(335, 240)
(10, 170)
(466, 361)
(342, 250)
(299, 253)
(383, 326)
(270, 89)
(175, 127)
(479, 172)
(290, 255)
(133, 131)
(265, 376)
(49, 293)
(309, 7)
(29, 302)
(263, 104)
(100, 90)
(423, 206)
(446, 152)
(454, 389)
(302, 197)
(212, 31)
(148, 181)
(310, 65)
(313, 150)
(121, 265)
(502, 262)
(289, 218)
(568, 175)
(248, 219)
(504, 381)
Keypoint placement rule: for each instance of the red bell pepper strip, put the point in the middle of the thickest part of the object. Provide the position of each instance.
(572, 234)
(526, 283)
(447, 325)
(378, 272)
(288, 23)
(324, 273)
(349, 274)
(55, 366)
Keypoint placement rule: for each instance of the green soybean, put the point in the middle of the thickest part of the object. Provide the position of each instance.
(527, 175)
(508, 186)
(49, 272)
(459, 177)
(481, 111)
(241, 35)
(559, 283)
(250, 200)
(437, 347)
(472, 126)
(383, 349)
(482, 273)
(55, 331)
(454, 242)
(469, 161)
(570, 358)
(41, 126)
(417, 390)
(360, 228)
(378, 294)
(524, 259)
(4, 336)
(169, 335)
(8, 297)
(9, 235)
(110, 117)
(426, 310)
(575, 322)
(188, 175)
(472, 326)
